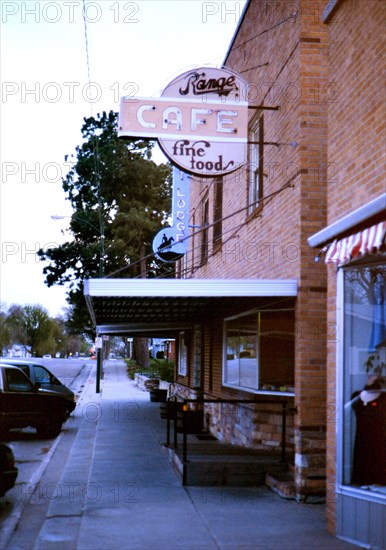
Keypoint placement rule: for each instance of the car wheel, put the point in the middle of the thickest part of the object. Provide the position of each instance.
(4, 433)
(51, 429)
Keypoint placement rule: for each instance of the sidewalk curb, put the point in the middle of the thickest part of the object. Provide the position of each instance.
(9, 525)
(69, 508)
(12, 520)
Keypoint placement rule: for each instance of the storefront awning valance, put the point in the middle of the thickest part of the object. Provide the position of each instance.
(368, 241)
(158, 306)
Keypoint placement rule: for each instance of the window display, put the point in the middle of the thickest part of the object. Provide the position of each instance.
(260, 351)
(364, 426)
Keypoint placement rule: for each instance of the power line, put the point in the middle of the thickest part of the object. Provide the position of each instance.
(94, 143)
(292, 16)
(87, 48)
(287, 185)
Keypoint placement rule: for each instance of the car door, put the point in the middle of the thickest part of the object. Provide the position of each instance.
(48, 381)
(21, 404)
(45, 378)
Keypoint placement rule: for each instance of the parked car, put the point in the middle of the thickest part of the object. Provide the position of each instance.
(40, 374)
(8, 470)
(24, 404)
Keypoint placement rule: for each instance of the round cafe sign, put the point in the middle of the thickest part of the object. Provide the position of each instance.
(200, 121)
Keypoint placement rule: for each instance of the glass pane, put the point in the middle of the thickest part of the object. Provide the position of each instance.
(182, 358)
(248, 352)
(42, 375)
(364, 422)
(232, 375)
(17, 381)
(241, 341)
(277, 350)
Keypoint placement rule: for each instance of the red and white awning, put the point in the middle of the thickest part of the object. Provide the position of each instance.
(367, 241)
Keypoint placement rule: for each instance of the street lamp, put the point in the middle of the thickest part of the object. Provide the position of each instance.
(101, 237)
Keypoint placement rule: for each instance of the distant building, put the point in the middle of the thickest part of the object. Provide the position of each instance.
(160, 346)
(18, 350)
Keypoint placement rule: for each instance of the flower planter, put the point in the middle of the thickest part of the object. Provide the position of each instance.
(151, 384)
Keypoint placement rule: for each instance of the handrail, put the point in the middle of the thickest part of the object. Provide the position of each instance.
(284, 411)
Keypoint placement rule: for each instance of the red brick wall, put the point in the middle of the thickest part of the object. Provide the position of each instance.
(356, 151)
(284, 59)
(356, 111)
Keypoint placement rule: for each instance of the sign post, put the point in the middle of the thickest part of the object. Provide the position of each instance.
(98, 345)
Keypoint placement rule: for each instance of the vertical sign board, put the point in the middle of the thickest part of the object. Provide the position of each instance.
(170, 244)
(180, 205)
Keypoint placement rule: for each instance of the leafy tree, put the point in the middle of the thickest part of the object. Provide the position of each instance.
(15, 324)
(64, 341)
(5, 337)
(38, 328)
(31, 326)
(121, 199)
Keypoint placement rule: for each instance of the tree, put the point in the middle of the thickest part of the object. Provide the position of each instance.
(121, 199)
(31, 327)
(37, 327)
(15, 324)
(5, 337)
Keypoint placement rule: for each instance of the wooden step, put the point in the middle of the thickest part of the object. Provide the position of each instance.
(217, 465)
(281, 483)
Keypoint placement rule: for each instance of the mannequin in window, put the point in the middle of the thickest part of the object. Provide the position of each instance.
(369, 404)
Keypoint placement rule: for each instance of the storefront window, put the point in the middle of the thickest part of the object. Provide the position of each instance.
(259, 351)
(182, 355)
(364, 373)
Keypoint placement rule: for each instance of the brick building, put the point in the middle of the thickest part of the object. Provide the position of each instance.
(254, 316)
(353, 245)
(257, 223)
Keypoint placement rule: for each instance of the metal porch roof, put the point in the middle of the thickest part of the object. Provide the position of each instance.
(161, 306)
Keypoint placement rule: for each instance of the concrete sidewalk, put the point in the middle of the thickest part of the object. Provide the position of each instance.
(119, 491)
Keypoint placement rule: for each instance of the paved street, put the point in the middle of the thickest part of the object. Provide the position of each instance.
(108, 484)
(33, 454)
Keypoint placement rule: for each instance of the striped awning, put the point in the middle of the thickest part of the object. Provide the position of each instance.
(368, 241)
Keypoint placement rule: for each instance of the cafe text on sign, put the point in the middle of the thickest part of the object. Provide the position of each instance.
(200, 121)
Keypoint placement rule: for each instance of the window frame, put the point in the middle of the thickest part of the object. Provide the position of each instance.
(217, 212)
(342, 442)
(255, 172)
(182, 354)
(204, 252)
(26, 386)
(238, 387)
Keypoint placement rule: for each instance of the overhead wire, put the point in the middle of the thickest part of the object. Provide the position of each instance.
(95, 148)
(97, 170)
(292, 16)
(287, 185)
(195, 248)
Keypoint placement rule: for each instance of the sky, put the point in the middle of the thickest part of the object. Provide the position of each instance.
(65, 60)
